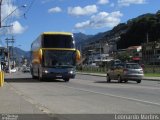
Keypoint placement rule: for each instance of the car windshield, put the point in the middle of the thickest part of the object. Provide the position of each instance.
(133, 66)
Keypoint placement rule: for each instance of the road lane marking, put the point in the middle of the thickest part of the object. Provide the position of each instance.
(121, 85)
(111, 95)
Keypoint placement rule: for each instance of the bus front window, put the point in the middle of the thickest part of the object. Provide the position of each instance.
(58, 41)
(59, 58)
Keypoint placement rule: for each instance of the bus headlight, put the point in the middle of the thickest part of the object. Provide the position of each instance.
(71, 72)
(45, 71)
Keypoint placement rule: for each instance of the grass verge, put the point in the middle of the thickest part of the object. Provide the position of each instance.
(152, 74)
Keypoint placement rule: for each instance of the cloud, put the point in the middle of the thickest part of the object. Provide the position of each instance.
(129, 2)
(101, 20)
(55, 10)
(79, 11)
(7, 9)
(17, 28)
(103, 1)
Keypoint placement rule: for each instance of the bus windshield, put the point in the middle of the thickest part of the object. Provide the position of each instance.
(63, 59)
(58, 41)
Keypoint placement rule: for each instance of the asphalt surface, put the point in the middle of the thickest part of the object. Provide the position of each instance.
(104, 75)
(84, 95)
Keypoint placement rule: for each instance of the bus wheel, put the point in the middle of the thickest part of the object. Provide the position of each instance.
(40, 78)
(66, 79)
(34, 77)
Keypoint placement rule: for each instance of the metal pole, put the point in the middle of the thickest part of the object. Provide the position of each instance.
(12, 46)
(0, 12)
(100, 51)
(9, 40)
(8, 55)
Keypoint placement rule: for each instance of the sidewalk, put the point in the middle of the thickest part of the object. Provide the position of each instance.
(12, 102)
(15, 106)
(104, 75)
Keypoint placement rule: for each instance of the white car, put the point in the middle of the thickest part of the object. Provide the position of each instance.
(13, 70)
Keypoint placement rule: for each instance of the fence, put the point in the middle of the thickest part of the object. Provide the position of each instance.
(147, 69)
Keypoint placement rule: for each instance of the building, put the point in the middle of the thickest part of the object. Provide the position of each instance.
(99, 52)
(3, 57)
(135, 53)
(151, 53)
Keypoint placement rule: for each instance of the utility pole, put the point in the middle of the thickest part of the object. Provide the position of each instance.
(147, 37)
(0, 12)
(9, 41)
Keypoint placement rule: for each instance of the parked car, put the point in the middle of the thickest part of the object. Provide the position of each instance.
(13, 70)
(124, 72)
(26, 69)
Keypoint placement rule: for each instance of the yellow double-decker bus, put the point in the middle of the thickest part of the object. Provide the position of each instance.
(54, 56)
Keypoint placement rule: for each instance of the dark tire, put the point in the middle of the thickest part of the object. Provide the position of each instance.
(138, 81)
(66, 79)
(108, 79)
(40, 78)
(34, 77)
(119, 79)
(125, 81)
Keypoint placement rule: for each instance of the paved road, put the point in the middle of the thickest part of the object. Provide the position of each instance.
(88, 95)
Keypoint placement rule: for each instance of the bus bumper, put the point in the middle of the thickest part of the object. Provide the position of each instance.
(58, 73)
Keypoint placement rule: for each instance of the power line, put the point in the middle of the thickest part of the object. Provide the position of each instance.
(31, 4)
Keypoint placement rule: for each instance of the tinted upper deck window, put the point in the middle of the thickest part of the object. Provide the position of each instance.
(58, 41)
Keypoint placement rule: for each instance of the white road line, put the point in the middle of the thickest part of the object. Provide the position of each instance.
(110, 85)
(111, 95)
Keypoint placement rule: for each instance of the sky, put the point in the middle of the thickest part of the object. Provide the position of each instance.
(27, 19)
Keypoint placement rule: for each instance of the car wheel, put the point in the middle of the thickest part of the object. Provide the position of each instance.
(108, 79)
(138, 81)
(125, 81)
(119, 79)
(66, 79)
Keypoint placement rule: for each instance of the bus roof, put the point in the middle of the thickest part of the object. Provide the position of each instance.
(57, 33)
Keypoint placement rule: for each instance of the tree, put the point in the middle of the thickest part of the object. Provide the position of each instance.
(123, 56)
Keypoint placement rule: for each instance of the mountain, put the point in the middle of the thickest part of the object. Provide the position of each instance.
(134, 32)
(140, 30)
(81, 38)
(19, 54)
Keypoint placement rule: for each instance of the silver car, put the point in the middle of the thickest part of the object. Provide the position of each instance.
(125, 72)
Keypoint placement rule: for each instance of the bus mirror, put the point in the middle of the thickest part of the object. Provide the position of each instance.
(40, 54)
(78, 55)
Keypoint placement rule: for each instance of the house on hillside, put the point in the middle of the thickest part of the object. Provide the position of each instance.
(99, 51)
(132, 53)
(135, 53)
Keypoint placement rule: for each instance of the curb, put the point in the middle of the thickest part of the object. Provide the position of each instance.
(103, 75)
